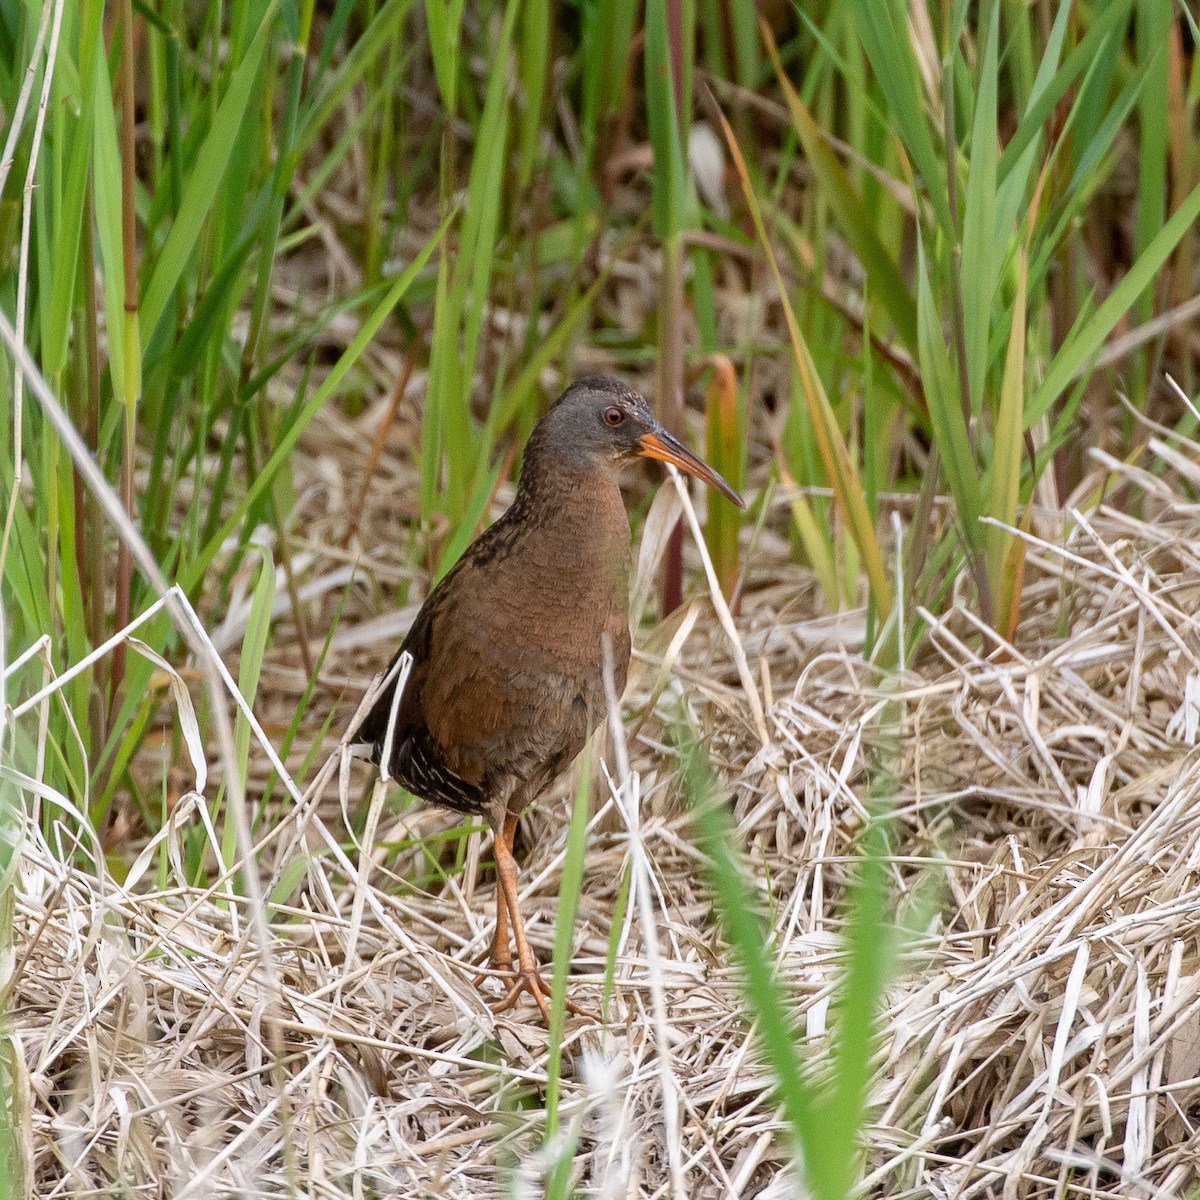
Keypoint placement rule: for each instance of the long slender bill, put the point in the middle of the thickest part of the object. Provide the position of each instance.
(663, 446)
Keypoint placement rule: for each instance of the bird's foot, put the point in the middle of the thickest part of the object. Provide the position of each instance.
(492, 964)
(526, 981)
(539, 989)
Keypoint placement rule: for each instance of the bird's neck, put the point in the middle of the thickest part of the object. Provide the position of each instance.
(574, 511)
(549, 483)
(561, 553)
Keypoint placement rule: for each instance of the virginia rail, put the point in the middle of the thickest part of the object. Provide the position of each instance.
(507, 681)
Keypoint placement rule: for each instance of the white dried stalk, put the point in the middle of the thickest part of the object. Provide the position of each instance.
(723, 614)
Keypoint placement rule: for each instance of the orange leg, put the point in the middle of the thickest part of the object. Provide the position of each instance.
(527, 979)
(499, 956)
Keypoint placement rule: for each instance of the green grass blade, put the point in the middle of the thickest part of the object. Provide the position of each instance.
(1007, 455)
(458, 320)
(569, 890)
(982, 242)
(1088, 175)
(946, 418)
(1085, 340)
(617, 50)
(869, 964)
(326, 102)
(745, 44)
(739, 908)
(669, 189)
(1153, 26)
(59, 304)
(1014, 177)
(535, 69)
(443, 47)
(883, 27)
(106, 171)
(443, 363)
(826, 1123)
(1107, 23)
(203, 186)
(287, 441)
(254, 649)
(839, 466)
(723, 428)
(884, 280)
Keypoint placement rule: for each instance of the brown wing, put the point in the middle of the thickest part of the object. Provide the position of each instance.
(502, 716)
(417, 761)
(480, 722)
(506, 680)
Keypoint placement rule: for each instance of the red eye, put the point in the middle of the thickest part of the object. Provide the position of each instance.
(613, 416)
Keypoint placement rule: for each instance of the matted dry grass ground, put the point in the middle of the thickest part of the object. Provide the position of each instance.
(1042, 1038)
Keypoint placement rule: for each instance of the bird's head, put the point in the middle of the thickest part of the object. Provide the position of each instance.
(602, 420)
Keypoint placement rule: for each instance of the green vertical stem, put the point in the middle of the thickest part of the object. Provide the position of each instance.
(132, 335)
(675, 47)
(158, 110)
(381, 167)
(175, 131)
(93, 573)
(960, 337)
(670, 399)
(298, 27)
(536, 24)
(77, 398)
(1184, 158)
(670, 340)
(1153, 24)
(745, 42)
(723, 427)
(50, 467)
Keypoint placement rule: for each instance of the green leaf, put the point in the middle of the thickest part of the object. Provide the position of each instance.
(884, 280)
(1088, 335)
(458, 317)
(870, 961)
(569, 890)
(443, 31)
(1008, 448)
(59, 303)
(204, 185)
(742, 924)
(1088, 175)
(1111, 19)
(1014, 179)
(839, 467)
(883, 26)
(326, 106)
(106, 174)
(535, 67)
(946, 417)
(254, 649)
(287, 441)
(982, 243)
(826, 1123)
(669, 187)
(1154, 21)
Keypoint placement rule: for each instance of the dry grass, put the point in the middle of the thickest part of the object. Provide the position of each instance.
(1043, 1038)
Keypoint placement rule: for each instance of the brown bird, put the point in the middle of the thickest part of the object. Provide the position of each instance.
(506, 682)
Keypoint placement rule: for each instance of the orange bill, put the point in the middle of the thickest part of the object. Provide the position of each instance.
(663, 446)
